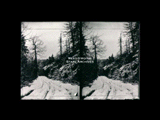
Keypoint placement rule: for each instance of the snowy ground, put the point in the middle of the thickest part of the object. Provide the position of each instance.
(105, 88)
(45, 88)
(101, 88)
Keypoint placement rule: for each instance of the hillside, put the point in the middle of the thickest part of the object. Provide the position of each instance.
(125, 68)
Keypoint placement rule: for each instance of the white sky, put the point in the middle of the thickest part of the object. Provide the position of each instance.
(50, 32)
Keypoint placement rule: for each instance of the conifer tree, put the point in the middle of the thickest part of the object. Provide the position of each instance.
(24, 52)
(130, 32)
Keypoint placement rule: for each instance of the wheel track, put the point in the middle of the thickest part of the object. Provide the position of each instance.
(111, 89)
(44, 88)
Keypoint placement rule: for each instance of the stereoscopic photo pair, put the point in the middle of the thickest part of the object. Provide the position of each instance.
(77, 60)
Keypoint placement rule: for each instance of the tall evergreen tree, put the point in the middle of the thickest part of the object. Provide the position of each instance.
(77, 43)
(133, 33)
(136, 32)
(24, 52)
(130, 31)
(70, 26)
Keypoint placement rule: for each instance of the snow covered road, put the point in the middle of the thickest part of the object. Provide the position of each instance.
(102, 88)
(105, 88)
(44, 88)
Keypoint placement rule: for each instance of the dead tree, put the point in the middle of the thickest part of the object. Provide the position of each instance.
(37, 49)
(120, 44)
(97, 48)
(60, 42)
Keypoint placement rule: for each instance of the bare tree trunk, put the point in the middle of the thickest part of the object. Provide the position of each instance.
(61, 44)
(129, 47)
(131, 71)
(132, 37)
(36, 66)
(121, 45)
(120, 42)
(95, 61)
(81, 55)
(126, 45)
(60, 50)
(68, 46)
(72, 37)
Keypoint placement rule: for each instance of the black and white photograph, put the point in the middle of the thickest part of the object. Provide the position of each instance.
(80, 60)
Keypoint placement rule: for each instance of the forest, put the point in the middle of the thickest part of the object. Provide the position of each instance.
(123, 66)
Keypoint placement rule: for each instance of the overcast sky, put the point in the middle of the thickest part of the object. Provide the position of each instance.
(49, 33)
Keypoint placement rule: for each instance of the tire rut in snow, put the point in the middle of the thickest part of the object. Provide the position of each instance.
(28, 93)
(45, 89)
(89, 94)
(106, 88)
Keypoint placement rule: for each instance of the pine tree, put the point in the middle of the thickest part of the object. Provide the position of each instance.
(77, 43)
(133, 33)
(130, 32)
(136, 32)
(24, 52)
(70, 26)
(126, 46)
